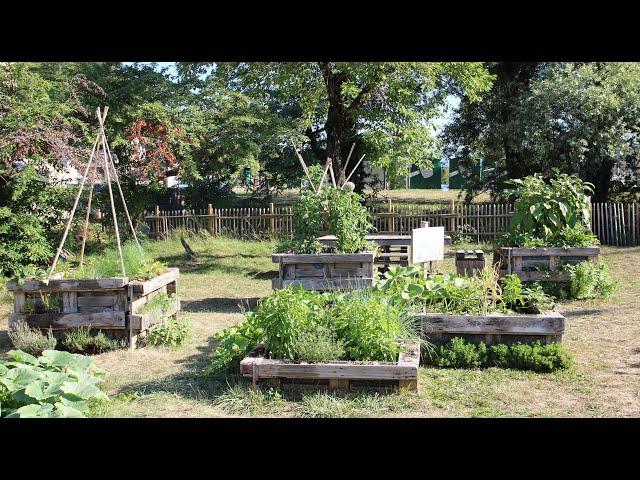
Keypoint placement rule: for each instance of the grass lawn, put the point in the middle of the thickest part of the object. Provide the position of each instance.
(231, 274)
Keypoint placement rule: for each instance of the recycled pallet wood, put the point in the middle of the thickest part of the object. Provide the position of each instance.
(469, 262)
(494, 328)
(324, 271)
(142, 292)
(541, 263)
(335, 375)
(107, 304)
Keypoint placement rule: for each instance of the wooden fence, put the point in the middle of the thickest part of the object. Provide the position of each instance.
(613, 223)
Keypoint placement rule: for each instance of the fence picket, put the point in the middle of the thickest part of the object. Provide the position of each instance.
(613, 223)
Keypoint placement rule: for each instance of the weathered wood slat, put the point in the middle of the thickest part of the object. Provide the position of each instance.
(551, 323)
(337, 373)
(76, 285)
(286, 258)
(147, 286)
(107, 320)
(556, 251)
(321, 284)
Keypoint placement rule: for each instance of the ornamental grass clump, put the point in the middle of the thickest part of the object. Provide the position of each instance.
(139, 266)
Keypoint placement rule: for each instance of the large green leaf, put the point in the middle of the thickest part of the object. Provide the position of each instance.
(80, 391)
(33, 411)
(67, 411)
(23, 357)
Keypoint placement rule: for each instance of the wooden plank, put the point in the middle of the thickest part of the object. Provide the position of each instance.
(321, 284)
(539, 275)
(18, 302)
(551, 323)
(96, 301)
(69, 302)
(147, 286)
(352, 371)
(70, 320)
(555, 251)
(323, 257)
(77, 285)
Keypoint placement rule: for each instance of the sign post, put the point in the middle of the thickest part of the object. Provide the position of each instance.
(427, 244)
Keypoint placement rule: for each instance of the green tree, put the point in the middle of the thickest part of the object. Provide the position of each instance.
(384, 108)
(582, 118)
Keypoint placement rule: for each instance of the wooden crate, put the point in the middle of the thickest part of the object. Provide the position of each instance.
(335, 375)
(324, 271)
(494, 328)
(469, 262)
(141, 292)
(543, 263)
(107, 304)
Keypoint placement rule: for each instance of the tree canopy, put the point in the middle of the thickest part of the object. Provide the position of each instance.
(385, 108)
(581, 118)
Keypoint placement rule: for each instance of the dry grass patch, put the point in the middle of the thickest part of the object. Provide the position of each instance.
(161, 382)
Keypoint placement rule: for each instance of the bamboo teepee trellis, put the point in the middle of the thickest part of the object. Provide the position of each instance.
(99, 142)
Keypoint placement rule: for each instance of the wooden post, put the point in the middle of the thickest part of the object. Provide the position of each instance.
(452, 218)
(210, 219)
(157, 221)
(389, 217)
(424, 224)
(272, 220)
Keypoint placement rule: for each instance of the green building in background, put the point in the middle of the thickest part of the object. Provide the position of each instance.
(444, 175)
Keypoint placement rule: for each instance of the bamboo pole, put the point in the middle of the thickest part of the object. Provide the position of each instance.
(304, 166)
(355, 168)
(124, 204)
(113, 207)
(73, 209)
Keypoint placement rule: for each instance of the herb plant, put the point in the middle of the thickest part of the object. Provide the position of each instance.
(172, 333)
(81, 340)
(538, 357)
(31, 340)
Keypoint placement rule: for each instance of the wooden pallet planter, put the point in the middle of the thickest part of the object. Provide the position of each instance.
(469, 262)
(494, 328)
(141, 292)
(543, 263)
(102, 304)
(335, 375)
(324, 271)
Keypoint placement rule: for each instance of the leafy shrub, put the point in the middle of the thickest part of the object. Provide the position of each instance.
(31, 340)
(370, 326)
(366, 326)
(317, 343)
(172, 333)
(450, 293)
(349, 221)
(339, 211)
(460, 354)
(56, 384)
(554, 213)
(23, 244)
(538, 357)
(107, 264)
(588, 280)
(81, 340)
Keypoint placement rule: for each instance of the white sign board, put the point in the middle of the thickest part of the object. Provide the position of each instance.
(427, 244)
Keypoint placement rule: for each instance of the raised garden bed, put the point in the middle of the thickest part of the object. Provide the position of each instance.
(324, 271)
(541, 263)
(107, 304)
(469, 262)
(492, 328)
(345, 376)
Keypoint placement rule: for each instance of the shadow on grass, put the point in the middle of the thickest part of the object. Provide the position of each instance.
(216, 264)
(583, 312)
(219, 305)
(192, 383)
